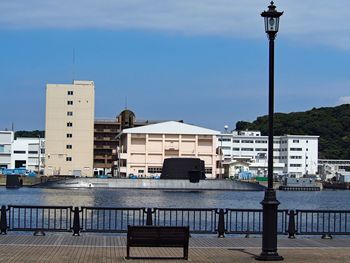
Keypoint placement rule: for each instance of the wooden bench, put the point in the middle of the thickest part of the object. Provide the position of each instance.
(158, 236)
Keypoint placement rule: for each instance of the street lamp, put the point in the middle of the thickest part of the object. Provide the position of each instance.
(270, 203)
(221, 152)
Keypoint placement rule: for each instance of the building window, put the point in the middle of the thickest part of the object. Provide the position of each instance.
(69, 124)
(295, 157)
(69, 135)
(260, 141)
(70, 102)
(225, 148)
(70, 92)
(154, 170)
(69, 113)
(235, 149)
(2, 148)
(295, 165)
(235, 141)
(33, 152)
(68, 146)
(224, 139)
(248, 149)
(261, 149)
(296, 149)
(247, 141)
(19, 152)
(296, 141)
(208, 170)
(68, 159)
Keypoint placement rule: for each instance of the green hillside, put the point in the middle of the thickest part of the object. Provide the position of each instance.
(332, 124)
(30, 134)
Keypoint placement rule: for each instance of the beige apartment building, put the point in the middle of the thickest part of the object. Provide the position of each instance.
(70, 128)
(143, 149)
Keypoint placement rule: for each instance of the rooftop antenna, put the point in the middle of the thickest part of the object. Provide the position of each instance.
(13, 127)
(126, 102)
(73, 63)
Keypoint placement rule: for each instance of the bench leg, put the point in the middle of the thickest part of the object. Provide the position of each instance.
(127, 252)
(186, 252)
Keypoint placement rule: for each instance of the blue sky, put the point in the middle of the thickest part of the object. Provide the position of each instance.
(203, 61)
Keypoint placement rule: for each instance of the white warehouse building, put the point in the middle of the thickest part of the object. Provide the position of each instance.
(21, 152)
(298, 153)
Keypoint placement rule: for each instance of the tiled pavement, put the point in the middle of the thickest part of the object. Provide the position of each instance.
(98, 248)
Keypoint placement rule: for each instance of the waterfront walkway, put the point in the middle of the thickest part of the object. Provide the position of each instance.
(98, 248)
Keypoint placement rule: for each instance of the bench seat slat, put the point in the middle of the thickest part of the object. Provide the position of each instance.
(158, 236)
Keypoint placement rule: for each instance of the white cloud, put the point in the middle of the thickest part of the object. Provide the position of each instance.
(321, 21)
(344, 100)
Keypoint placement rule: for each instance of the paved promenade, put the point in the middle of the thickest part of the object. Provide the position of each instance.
(94, 248)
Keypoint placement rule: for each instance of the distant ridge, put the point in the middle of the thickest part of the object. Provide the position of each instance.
(332, 124)
(30, 134)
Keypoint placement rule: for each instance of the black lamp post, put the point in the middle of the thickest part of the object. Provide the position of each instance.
(270, 203)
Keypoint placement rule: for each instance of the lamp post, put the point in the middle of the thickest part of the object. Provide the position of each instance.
(39, 148)
(270, 203)
(221, 153)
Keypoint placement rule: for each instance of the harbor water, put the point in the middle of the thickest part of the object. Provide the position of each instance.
(104, 197)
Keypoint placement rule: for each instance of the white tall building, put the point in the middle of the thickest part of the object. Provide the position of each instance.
(6, 140)
(70, 128)
(298, 153)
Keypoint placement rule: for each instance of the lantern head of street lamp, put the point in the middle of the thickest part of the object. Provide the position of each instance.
(271, 17)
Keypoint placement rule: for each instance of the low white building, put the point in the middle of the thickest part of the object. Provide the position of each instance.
(28, 153)
(297, 153)
(329, 168)
(143, 149)
(6, 141)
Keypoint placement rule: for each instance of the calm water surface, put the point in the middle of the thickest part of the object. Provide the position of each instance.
(327, 199)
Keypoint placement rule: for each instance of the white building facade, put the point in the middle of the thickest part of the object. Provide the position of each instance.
(6, 141)
(298, 153)
(28, 153)
(25, 153)
(143, 149)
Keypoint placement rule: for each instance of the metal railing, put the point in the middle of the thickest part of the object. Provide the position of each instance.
(322, 222)
(39, 218)
(200, 221)
(108, 219)
(249, 221)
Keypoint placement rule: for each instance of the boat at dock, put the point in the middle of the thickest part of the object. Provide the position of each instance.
(299, 184)
(336, 185)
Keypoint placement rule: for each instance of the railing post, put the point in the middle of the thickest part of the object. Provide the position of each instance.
(291, 224)
(149, 220)
(76, 222)
(221, 224)
(3, 221)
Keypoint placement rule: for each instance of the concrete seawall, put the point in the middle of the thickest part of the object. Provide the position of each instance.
(225, 185)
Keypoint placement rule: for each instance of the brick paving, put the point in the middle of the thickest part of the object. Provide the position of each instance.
(104, 249)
